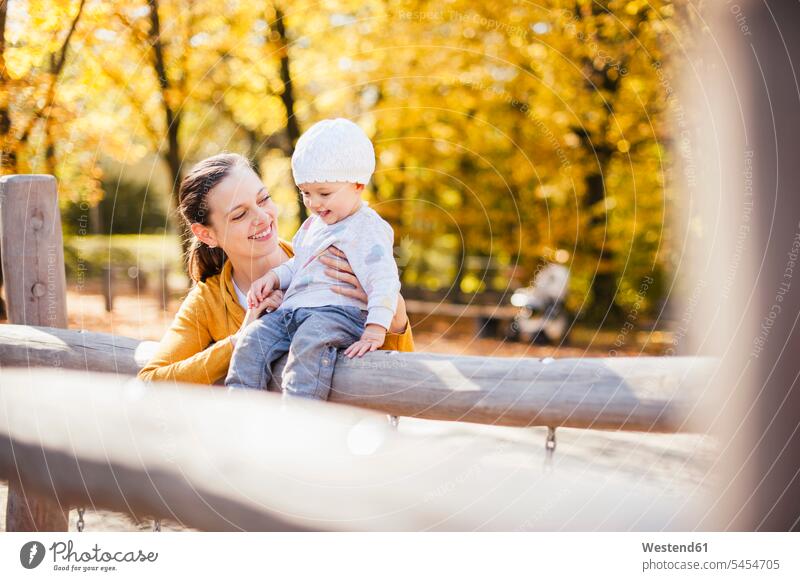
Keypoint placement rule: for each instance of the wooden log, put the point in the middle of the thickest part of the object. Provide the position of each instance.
(646, 394)
(247, 461)
(653, 394)
(22, 345)
(745, 101)
(35, 285)
(456, 311)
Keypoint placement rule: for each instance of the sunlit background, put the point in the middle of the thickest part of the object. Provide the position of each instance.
(509, 135)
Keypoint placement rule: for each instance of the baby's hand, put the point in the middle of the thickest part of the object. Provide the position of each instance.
(272, 302)
(261, 289)
(372, 339)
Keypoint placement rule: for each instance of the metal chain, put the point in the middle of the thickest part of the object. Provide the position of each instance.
(81, 524)
(549, 448)
(156, 526)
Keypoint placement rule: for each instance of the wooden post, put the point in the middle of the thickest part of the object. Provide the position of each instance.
(133, 274)
(35, 284)
(163, 287)
(746, 97)
(3, 312)
(107, 274)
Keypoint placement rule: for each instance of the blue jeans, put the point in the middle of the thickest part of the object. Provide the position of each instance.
(310, 335)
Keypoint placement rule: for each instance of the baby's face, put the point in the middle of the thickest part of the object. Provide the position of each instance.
(332, 201)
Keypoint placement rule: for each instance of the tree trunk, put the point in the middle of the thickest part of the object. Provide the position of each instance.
(172, 118)
(50, 152)
(604, 287)
(8, 155)
(8, 159)
(288, 98)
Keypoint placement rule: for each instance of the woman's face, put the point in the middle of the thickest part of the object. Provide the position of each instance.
(243, 218)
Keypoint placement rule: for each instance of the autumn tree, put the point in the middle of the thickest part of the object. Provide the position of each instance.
(34, 48)
(507, 134)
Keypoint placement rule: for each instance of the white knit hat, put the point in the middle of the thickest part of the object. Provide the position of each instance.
(333, 150)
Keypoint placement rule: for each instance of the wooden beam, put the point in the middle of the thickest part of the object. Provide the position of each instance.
(652, 394)
(35, 286)
(215, 460)
(415, 307)
(744, 98)
(26, 346)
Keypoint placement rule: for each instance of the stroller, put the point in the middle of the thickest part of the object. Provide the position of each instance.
(542, 318)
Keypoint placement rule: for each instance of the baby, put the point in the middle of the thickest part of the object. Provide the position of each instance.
(332, 163)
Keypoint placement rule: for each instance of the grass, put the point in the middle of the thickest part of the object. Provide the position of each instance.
(88, 254)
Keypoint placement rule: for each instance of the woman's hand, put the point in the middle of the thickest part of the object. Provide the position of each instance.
(267, 305)
(339, 268)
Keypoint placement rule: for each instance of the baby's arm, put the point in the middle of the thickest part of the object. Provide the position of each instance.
(284, 273)
(372, 259)
(376, 268)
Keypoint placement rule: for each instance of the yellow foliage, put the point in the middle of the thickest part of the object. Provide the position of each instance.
(491, 120)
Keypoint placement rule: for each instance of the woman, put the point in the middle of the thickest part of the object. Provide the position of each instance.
(234, 223)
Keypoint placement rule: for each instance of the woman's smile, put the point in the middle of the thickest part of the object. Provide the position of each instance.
(263, 234)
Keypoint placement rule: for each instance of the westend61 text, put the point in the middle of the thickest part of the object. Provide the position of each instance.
(670, 548)
(65, 552)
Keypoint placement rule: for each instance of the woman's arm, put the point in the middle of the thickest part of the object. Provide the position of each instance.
(186, 352)
(340, 269)
(400, 320)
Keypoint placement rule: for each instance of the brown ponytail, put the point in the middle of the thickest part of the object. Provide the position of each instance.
(202, 260)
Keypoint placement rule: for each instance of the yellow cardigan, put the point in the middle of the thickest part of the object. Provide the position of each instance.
(197, 347)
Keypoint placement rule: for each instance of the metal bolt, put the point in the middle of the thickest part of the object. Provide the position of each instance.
(550, 448)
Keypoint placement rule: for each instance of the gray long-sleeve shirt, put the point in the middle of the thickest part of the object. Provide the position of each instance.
(367, 240)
